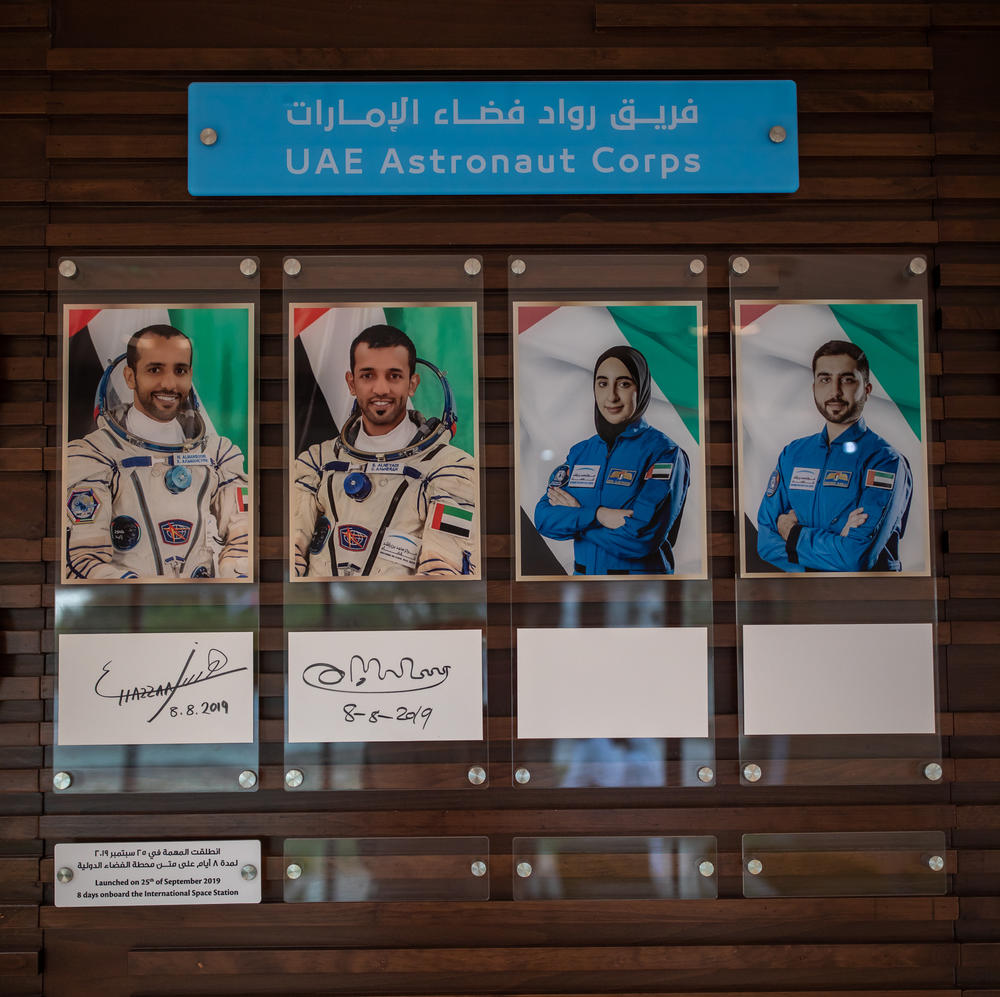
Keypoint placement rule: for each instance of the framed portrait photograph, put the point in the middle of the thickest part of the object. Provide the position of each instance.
(831, 429)
(609, 439)
(158, 442)
(384, 476)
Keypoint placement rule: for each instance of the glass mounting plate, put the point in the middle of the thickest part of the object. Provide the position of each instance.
(837, 632)
(384, 590)
(156, 611)
(323, 870)
(612, 634)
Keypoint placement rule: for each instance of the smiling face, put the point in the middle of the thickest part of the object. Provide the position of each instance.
(381, 382)
(839, 390)
(615, 391)
(161, 378)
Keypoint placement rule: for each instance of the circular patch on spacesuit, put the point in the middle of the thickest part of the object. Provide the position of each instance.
(559, 476)
(772, 485)
(125, 532)
(320, 534)
(201, 572)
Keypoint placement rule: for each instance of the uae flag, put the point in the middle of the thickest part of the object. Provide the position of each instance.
(556, 348)
(775, 347)
(451, 519)
(220, 339)
(445, 335)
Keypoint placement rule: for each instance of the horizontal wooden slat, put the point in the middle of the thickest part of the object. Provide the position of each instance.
(969, 274)
(761, 15)
(965, 15)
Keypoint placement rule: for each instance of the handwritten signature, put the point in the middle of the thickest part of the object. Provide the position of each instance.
(389, 678)
(215, 668)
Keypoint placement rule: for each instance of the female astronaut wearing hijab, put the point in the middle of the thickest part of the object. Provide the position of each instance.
(620, 494)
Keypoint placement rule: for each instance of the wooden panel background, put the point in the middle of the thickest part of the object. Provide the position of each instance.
(900, 153)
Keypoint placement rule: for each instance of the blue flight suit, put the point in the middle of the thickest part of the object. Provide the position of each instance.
(645, 471)
(824, 482)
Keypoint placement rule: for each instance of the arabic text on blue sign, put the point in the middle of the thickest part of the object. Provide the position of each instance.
(584, 137)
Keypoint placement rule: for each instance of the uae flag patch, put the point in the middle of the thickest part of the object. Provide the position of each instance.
(242, 498)
(663, 471)
(451, 519)
(880, 479)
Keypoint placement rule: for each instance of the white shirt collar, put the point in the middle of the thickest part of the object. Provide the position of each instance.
(165, 433)
(395, 439)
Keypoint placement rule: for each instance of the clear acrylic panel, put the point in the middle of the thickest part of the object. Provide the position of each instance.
(616, 868)
(384, 587)
(324, 870)
(611, 606)
(836, 598)
(156, 610)
(874, 864)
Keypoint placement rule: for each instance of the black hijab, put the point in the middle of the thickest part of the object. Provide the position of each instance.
(635, 364)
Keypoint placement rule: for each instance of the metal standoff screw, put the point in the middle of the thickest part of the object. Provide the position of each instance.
(293, 871)
(752, 772)
(249, 872)
(247, 779)
(208, 136)
(478, 869)
(473, 266)
(518, 267)
(248, 267)
(705, 774)
(62, 780)
(522, 776)
(706, 869)
(755, 867)
(697, 267)
(524, 869)
(917, 266)
(777, 134)
(936, 863)
(933, 771)
(64, 875)
(292, 267)
(741, 265)
(477, 775)
(294, 778)
(67, 268)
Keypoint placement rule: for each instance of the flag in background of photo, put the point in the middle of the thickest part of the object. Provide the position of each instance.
(220, 339)
(444, 335)
(557, 346)
(776, 343)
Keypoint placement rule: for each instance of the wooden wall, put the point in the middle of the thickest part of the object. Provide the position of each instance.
(899, 152)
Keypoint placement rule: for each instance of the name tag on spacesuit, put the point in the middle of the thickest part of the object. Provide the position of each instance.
(191, 459)
(584, 475)
(400, 548)
(385, 467)
(804, 479)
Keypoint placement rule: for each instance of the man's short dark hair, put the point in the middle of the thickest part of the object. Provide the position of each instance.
(163, 331)
(383, 337)
(842, 348)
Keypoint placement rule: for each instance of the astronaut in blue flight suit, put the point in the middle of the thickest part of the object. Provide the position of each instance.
(620, 494)
(839, 500)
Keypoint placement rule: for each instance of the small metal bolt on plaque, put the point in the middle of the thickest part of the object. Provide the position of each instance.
(706, 869)
(741, 265)
(697, 267)
(917, 266)
(522, 776)
(247, 779)
(473, 266)
(777, 134)
(293, 871)
(249, 872)
(933, 772)
(478, 869)
(294, 778)
(517, 267)
(292, 267)
(208, 136)
(64, 875)
(705, 774)
(248, 267)
(936, 863)
(752, 772)
(67, 269)
(477, 775)
(755, 867)
(62, 780)
(524, 869)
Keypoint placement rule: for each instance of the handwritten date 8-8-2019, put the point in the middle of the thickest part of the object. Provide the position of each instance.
(403, 714)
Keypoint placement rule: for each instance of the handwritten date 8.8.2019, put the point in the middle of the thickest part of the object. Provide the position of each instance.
(197, 710)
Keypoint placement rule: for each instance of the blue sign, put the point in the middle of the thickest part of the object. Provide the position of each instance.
(584, 137)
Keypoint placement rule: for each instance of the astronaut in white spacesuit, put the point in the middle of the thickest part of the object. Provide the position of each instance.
(389, 497)
(151, 493)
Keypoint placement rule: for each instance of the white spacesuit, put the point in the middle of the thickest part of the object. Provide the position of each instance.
(137, 509)
(399, 514)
